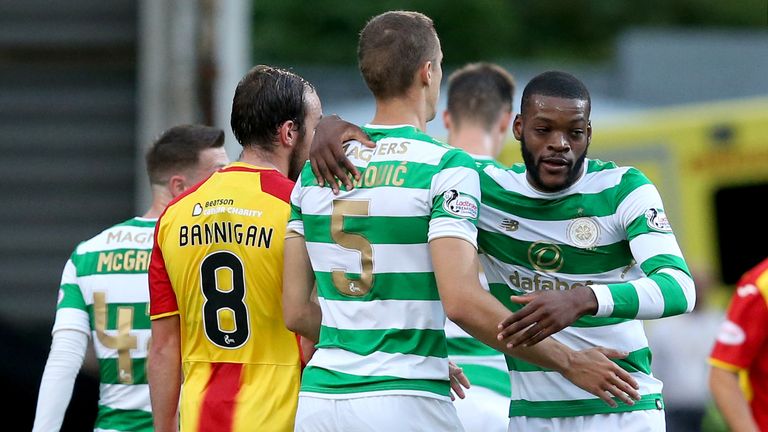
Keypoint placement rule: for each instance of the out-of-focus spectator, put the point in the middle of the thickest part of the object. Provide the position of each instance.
(680, 347)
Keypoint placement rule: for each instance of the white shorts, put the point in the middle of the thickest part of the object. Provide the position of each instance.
(633, 421)
(483, 410)
(397, 413)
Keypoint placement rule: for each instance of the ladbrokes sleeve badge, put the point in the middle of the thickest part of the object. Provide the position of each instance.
(657, 220)
(459, 204)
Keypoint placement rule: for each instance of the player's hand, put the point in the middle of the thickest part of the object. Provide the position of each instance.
(458, 380)
(544, 314)
(593, 371)
(326, 155)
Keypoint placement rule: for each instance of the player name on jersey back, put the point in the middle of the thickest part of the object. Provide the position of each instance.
(225, 232)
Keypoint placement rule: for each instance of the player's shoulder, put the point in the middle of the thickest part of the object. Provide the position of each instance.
(758, 277)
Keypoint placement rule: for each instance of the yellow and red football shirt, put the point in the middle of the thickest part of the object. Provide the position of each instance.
(217, 262)
(741, 343)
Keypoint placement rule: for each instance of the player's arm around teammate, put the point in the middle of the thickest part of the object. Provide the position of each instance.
(466, 302)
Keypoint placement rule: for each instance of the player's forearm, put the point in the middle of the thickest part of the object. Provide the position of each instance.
(164, 387)
(301, 313)
(304, 319)
(730, 400)
(667, 292)
(164, 373)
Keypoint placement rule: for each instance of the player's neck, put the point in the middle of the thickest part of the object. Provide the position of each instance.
(401, 110)
(264, 159)
(473, 140)
(161, 196)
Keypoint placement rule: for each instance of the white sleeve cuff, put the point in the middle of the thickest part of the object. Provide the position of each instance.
(604, 300)
(450, 227)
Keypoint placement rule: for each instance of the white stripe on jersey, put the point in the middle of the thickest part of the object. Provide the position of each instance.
(447, 178)
(126, 396)
(120, 288)
(418, 151)
(637, 202)
(652, 244)
(450, 227)
(408, 366)
(531, 230)
(387, 258)
(141, 238)
(649, 298)
(141, 350)
(626, 336)
(383, 314)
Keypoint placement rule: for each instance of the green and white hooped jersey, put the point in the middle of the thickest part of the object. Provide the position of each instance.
(104, 292)
(608, 231)
(383, 323)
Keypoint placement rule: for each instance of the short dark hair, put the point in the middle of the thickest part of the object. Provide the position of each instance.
(178, 149)
(556, 84)
(392, 47)
(266, 98)
(478, 92)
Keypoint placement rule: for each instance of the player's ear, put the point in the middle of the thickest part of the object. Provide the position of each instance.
(505, 121)
(589, 132)
(447, 120)
(425, 74)
(288, 133)
(517, 127)
(177, 184)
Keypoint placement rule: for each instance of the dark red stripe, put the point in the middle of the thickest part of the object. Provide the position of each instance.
(277, 185)
(217, 414)
(246, 169)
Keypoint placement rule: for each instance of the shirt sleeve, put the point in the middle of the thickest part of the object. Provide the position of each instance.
(455, 195)
(744, 331)
(71, 309)
(162, 298)
(295, 222)
(64, 362)
(667, 288)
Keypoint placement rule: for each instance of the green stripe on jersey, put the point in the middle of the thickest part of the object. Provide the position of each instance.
(320, 380)
(675, 302)
(108, 368)
(140, 321)
(387, 286)
(72, 297)
(124, 420)
(115, 261)
(426, 343)
(653, 264)
(488, 377)
(574, 260)
(377, 229)
(570, 408)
